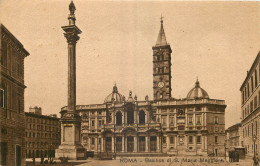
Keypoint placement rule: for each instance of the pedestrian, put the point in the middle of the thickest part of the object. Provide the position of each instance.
(237, 156)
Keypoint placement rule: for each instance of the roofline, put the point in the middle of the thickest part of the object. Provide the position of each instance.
(14, 38)
(42, 116)
(251, 68)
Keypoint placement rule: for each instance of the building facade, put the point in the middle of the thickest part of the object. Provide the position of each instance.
(250, 110)
(42, 133)
(233, 134)
(12, 119)
(194, 125)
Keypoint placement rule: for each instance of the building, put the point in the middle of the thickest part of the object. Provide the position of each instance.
(42, 133)
(194, 125)
(233, 134)
(250, 111)
(12, 119)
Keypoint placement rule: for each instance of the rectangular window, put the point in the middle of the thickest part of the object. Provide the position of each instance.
(99, 122)
(252, 84)
(216, 139)
(92, 141)
(198, 120)
(216, 120)
(198, 139)
(190, 139)
(171, 140)
(164, 120)
(243, 97)
(251, 106)
(255, 102)
(248, 93)
(190, 119)
(92, 123)
(171, 120)
(1, 98)
(256, 128)
(256, 82)
(164, 140)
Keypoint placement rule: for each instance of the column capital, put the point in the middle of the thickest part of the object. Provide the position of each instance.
(71, 37)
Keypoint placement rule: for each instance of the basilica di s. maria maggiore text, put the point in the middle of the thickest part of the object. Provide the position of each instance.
(127, 126)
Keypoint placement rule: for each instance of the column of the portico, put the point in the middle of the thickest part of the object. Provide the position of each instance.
(146, 143)
(113, 143)
(168, 142)
(175, 142)
(135, 143)
(96, 144)
(158, 143)
(123, 143)
(206, 140)
(203, 143)
(135, 119)
(89, 143)
(102, 144)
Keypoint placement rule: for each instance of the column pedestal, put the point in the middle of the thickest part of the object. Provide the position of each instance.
(70, 141)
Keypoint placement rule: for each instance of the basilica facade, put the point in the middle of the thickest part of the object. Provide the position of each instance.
(165, 125)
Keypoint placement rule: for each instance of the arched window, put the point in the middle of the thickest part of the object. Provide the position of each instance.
(119, 118)
(141, 117)
(130, 115)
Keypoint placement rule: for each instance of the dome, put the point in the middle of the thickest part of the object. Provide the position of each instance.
(197, 92)
(114, 96)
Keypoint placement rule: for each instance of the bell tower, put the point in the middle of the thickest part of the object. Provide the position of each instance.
(162, 67)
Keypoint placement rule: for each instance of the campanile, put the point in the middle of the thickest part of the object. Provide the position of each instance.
(162, 67)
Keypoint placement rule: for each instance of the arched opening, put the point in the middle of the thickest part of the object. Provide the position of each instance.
(141, 117)
(130, 116)
(119, 118)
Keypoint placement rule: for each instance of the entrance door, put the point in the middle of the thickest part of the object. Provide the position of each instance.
(153, 142)
(3, 150)
(141, 144)
(130, 144)
(18, 155)
(108, 144)
(118, 144)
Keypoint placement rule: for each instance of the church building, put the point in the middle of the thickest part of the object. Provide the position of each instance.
(164, 125)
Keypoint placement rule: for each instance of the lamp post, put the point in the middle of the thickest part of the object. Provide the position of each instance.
(254, 140)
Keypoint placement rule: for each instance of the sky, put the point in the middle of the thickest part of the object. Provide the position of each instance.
(214, 41)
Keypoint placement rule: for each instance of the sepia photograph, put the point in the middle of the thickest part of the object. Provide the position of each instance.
(125, 82)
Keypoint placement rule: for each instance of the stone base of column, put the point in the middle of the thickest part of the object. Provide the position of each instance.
(73, 152)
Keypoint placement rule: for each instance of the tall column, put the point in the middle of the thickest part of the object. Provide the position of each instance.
(135, 143)
(175, 144)
(113, 143)
(168, 142)
(158, 143)
(70, 121)
(146, 143)
(123, 143)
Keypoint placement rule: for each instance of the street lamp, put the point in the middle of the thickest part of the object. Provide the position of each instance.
(254, 140)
